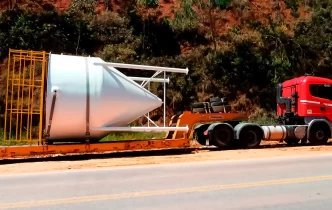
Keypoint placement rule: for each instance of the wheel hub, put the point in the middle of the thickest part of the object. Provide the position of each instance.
(222, 134)
(251, 137)
(320, 135)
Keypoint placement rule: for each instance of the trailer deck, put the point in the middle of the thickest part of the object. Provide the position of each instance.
(137, 145)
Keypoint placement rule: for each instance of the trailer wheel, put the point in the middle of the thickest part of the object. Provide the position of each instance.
(319, 134)
(250, 137)
(222, 136)
(199, 134)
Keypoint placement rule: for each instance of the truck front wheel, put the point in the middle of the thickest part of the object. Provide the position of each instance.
(319, 134)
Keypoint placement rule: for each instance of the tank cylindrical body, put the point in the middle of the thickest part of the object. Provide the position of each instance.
(275, 133)
(106, 95)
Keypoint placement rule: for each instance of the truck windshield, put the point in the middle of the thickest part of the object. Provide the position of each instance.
(321, 91)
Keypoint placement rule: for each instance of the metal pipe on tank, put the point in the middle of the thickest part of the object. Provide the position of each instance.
(148, 81)
(143, 67)
(141, 129)
(144, 79)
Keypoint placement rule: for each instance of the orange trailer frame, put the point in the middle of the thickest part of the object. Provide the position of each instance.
(172, 140)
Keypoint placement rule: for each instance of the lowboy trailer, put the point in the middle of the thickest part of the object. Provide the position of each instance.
(63, 98)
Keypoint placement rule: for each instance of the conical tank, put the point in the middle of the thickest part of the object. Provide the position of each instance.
(112, 98)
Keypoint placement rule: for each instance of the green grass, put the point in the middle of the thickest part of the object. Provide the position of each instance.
(133, 136)
(14, 142)
(119, 136)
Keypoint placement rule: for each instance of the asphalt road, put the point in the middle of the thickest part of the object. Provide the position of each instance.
(278, 183)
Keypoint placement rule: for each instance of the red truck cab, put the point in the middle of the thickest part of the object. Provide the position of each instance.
(306, 97)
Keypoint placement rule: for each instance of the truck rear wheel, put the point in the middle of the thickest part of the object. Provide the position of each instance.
(250, 137)
(222, 136)
(319, 134)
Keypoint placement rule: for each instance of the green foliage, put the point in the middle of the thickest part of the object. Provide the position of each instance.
(315, 39)
(157, 37)
(185, 18)
(149, 3)
(254, 61)
(221, 3)
(117, 53)
(264, 119)
(114, 35)
(86, 7)
(292, 4)
(47, 30)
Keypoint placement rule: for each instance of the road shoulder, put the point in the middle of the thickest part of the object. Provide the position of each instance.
(195, 156)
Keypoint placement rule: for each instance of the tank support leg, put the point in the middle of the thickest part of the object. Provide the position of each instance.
(47, 135)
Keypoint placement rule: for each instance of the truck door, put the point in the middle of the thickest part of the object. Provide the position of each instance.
(323, 94)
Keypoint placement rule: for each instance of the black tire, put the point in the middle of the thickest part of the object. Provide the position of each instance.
(319, 134)
(215, 99)
(292, 142)
(198, 110)
(220, 103)
(222, 136)
(217, 108)
(197, 105)
(250, 137)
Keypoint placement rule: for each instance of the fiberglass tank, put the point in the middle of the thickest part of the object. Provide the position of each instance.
(114, 99)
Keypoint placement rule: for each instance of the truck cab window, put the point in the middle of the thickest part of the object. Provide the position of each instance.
(321, 91)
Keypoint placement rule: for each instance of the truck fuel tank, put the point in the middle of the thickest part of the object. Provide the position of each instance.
(281, 132)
